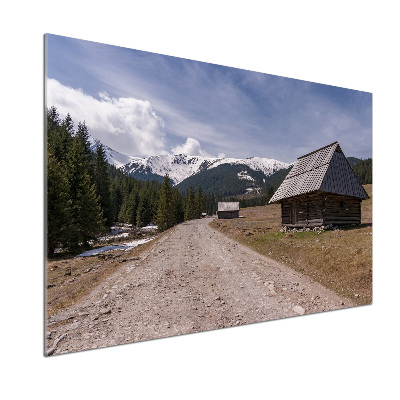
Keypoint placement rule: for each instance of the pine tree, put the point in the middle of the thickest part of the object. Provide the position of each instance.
(154, 194)
(59, 213)
(116, 198)
(102, 182)
(53, 118)
(190, 211)
(86, 209)
(59, 139)
(199, 202)
(165, 212)
(82, 134)
(88, 212)
(144, 210)
(210, 204)
(132, 207)
(122, 212)
(179, 215)
(68, 125)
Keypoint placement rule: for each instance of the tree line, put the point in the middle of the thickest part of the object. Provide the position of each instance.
(363, 171)
(86, 195)
(261, 199)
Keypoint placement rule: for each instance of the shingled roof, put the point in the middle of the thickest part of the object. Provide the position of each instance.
(325, 169)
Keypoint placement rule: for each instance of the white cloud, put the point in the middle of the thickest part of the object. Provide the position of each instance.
(126, 124)
(192, 147)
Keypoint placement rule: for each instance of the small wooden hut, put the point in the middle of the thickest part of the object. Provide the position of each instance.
(228, 210)
(321, 189)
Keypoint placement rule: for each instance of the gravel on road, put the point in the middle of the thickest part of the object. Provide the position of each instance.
(192, 279)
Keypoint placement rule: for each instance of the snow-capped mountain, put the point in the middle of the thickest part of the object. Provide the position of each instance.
(181, 166)
(113, 156)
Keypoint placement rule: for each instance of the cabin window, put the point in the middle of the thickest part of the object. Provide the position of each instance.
(341, 205)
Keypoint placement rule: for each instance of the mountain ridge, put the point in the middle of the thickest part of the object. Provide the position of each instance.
(114, 157)
(224, 176)
(182, 166)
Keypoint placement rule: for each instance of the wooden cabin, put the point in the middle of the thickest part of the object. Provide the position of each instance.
(321, 189)
(228, 210)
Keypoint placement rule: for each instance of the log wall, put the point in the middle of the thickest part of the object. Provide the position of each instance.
(228, 214)
(319, 209)
(342, 210)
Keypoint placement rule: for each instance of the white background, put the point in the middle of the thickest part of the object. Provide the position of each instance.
(346, 354)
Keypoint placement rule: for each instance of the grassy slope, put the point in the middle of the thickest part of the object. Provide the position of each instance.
(341, 260)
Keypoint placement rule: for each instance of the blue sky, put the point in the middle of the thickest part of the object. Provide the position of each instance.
(143, 104)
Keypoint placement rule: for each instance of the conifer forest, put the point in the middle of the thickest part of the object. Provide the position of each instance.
(86, 195)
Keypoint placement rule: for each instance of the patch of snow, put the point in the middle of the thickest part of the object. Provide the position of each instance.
(253, 189)
(122, 246)
(266, 165)
(150, 227)
(136, 243)
(245, 175)
(113, 236)
(120, 228)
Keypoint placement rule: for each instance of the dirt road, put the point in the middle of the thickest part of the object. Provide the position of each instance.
(193, 279)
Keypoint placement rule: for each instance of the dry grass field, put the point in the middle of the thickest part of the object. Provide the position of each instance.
(339, 259)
